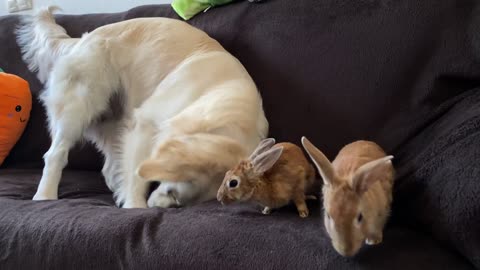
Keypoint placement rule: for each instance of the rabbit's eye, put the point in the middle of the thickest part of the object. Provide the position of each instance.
(233, 183)
(360, 218)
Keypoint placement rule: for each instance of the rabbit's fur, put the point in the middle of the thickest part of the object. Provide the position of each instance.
(357, 193)
(273, 176)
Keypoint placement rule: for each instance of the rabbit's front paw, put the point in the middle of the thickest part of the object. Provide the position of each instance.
(303, 213)
(374, 240)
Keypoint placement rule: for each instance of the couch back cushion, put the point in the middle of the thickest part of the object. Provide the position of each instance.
(335, 71)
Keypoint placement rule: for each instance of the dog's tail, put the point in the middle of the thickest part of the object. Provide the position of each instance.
(42, 41)
(189, 157)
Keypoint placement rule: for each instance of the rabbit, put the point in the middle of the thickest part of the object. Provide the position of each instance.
(357, 193)
(273, 176)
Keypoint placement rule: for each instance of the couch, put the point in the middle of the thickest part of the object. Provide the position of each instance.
(404, 73)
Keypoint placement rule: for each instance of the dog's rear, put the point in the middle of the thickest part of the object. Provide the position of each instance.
(74, 97)
(43, 41)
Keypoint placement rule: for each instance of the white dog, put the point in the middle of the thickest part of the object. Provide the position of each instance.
(189, 109)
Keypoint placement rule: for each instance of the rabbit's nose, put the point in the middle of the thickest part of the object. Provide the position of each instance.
(223, 199)
(345, 250)
(220, 196)
(342, 249)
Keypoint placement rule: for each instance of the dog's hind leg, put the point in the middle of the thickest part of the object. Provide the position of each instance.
(72, 102)
(63, 138)
(106, 136)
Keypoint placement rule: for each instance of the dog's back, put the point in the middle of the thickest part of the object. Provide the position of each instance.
(173, 80)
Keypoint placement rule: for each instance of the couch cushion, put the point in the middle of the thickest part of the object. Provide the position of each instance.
(84, 230)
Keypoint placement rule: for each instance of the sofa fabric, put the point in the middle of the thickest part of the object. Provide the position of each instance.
(404, 73)
(84, 230)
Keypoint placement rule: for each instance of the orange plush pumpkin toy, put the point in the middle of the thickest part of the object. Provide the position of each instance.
(15, 107)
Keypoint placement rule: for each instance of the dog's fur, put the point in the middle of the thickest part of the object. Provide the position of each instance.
(189, 110)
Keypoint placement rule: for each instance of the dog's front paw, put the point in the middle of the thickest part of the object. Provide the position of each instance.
(162, 201)
(44, 197)
(134, 204)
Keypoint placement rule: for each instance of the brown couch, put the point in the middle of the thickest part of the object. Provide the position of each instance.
(405, 73)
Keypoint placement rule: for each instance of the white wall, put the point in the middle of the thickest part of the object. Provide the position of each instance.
(86, 6)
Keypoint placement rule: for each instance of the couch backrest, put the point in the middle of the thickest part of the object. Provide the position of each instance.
(335, 71)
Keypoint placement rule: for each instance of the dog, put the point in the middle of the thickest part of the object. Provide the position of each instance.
(159, 98)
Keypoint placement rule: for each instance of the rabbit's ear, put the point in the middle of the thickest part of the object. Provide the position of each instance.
(266, 160)
(322, 163)
(263, 146)
(369, 173)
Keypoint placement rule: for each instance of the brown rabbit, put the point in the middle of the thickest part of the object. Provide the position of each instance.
(273, 176)
(357, 193)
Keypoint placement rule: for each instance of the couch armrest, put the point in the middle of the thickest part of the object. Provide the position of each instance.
(438, 180)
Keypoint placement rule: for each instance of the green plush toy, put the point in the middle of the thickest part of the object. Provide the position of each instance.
(189, 8)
